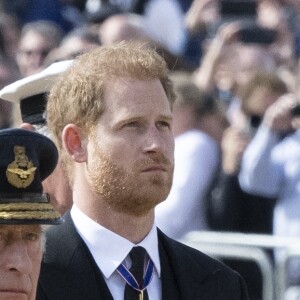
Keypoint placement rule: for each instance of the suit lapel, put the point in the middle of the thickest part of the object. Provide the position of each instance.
(168, 279)
(185, 281)
(69, 261)
(186, 273)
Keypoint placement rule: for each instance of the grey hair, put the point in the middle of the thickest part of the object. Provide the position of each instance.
(43, 237)
(44, 130)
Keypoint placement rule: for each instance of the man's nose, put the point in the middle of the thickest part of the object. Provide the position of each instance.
(17, 258)
(154, 140)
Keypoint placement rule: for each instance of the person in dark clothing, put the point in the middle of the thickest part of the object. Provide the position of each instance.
(229, 207)
(118, 149)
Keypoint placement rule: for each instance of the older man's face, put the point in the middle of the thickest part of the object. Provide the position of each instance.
(20, 258)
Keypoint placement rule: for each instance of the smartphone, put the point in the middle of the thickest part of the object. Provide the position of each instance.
(296, 110)
(255, 34)
(238, 8)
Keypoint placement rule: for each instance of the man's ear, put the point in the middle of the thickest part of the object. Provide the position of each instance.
(73, 139)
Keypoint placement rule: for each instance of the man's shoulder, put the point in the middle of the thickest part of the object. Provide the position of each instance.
(206, 276)
(178, 248)
(61, 240)
(66, 225)
(193, 259)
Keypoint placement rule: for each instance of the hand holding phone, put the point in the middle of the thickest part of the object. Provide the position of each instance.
(238, 8)
(296, 110)
(255, 34)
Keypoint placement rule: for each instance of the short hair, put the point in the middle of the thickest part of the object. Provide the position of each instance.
(81, 87)
(45, 28)
(84, 33)
(270, 81)
(189, 94)
(202, 102)
(43, 129)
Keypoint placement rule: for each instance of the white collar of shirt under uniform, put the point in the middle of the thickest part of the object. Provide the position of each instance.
(109, 250)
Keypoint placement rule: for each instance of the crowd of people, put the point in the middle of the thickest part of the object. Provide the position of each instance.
(218, 88)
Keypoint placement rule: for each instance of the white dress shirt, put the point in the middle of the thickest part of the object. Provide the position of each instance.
(109, 250)
(196, 158)
(271, 167)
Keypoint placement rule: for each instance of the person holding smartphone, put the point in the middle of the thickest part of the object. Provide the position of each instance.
(270, 168)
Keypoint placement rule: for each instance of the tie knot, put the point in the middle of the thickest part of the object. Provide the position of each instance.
(137, 255)
(138, 276)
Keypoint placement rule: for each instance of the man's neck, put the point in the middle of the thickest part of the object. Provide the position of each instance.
(130, 227)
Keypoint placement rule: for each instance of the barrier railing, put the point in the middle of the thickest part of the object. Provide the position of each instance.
(251, 247)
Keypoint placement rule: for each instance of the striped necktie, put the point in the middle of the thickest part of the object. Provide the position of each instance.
(137, 277)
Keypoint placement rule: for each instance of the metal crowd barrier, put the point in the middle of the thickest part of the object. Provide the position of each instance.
(282, 267)
(251, 247)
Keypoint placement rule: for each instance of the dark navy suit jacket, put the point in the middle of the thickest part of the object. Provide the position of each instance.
(69, 272)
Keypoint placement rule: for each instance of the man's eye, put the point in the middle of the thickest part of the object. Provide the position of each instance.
(164, 124)
(32, 236)
(3, 236)
(132, 124)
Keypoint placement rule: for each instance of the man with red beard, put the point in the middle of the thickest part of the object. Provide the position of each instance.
(111, 115)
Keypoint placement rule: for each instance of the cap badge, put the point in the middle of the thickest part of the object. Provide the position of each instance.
(20, 173)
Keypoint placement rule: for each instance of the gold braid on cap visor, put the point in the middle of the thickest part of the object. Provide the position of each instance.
(28, 211)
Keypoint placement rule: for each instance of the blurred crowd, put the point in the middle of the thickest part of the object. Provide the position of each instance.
(236, 73)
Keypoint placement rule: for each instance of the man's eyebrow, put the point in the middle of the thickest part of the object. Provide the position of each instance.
(129, 119)
(167, 118)
(141, 117)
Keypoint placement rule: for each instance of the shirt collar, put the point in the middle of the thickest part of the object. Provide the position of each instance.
(109, 249)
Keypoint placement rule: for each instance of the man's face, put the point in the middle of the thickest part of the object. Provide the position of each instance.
(20, 259)
(32, 52)
(130, 163)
